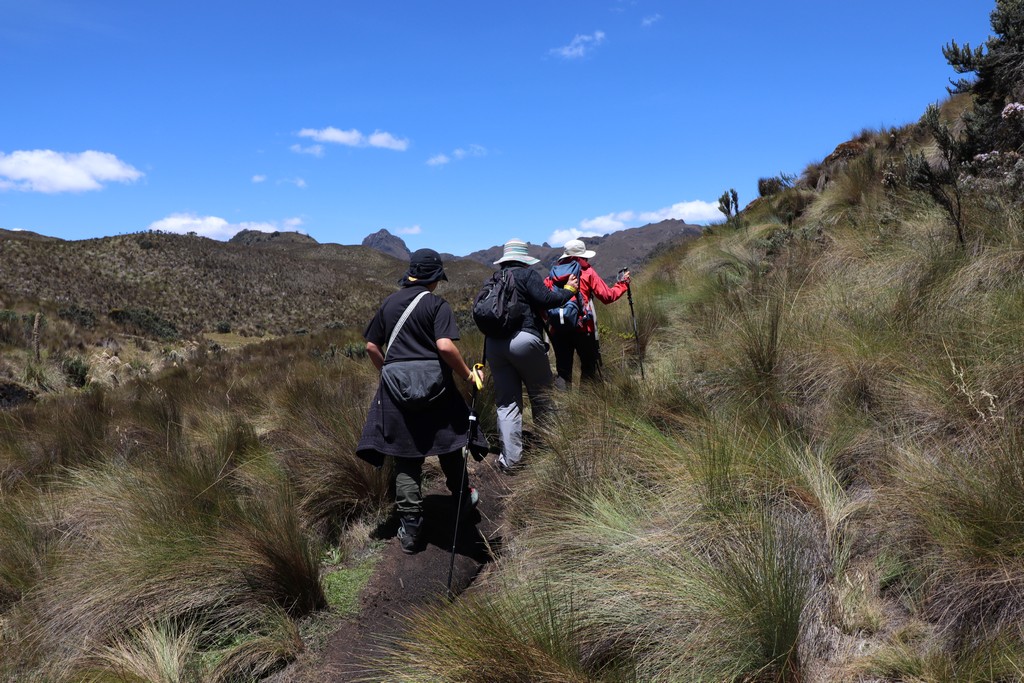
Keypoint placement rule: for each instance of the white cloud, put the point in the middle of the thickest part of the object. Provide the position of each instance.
(696, 211)
(651, 20)
(216, 227)
(457, 154)
(411, 230)
(385, 140)
(43, 170)
(352, 138)
(471, 151)
(315, 150)
(579, 46)
(331, 134)
(259, 178)
(297, 182)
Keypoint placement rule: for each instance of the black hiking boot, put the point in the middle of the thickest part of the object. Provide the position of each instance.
(409, 532)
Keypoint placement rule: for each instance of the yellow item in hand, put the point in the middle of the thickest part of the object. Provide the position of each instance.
(476, 376)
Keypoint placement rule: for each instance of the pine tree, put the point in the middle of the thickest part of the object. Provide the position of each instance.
(998, 67)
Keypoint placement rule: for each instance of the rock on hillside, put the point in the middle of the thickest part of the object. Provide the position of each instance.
(630, 248)
(385, 242)
(251, 237)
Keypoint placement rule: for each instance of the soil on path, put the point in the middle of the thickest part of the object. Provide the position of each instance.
(402, 583)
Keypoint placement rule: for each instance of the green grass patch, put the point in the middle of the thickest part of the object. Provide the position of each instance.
(343, 585)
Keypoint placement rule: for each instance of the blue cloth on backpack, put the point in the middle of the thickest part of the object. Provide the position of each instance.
(568, 315)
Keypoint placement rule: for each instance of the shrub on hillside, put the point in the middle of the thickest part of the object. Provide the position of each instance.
(78, 315)
(767, 187)
(11, 331)
(76, 370)
(145, 322)
(811, 176)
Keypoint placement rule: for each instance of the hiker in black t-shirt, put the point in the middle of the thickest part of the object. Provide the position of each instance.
(440, 428)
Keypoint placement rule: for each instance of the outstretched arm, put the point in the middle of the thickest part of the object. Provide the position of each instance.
(450, 354)
(603, 292)
(542, 297)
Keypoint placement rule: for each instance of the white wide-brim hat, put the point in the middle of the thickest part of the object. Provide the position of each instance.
(577, 248)
(516, 250)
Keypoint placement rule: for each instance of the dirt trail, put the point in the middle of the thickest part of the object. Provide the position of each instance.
(403, 583)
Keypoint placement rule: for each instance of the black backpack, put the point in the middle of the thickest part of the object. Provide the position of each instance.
(496, 309)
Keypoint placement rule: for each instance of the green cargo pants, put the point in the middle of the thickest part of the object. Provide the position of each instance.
(409, 479)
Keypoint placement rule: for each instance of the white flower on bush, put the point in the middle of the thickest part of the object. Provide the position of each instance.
(1014, 110)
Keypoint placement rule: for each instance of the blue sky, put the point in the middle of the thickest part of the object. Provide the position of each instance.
(455, 124)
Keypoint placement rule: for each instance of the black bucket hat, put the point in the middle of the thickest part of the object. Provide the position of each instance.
(424, 267)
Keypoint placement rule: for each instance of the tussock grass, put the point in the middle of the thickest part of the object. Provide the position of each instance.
(188, 540)
(154, 653)
(526, 634)
(175, 524)
(325, 420)
(964, 520)
(909, 657)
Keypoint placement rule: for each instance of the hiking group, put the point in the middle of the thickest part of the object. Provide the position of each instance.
(418, 411)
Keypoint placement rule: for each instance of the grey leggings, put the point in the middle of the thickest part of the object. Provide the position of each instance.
(523, 359)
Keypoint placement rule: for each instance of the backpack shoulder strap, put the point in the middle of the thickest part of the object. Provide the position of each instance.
(401, 321)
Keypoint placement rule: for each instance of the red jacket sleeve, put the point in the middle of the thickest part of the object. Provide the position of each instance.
(593, 285)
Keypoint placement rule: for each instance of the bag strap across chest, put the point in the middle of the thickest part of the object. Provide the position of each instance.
(401, 321)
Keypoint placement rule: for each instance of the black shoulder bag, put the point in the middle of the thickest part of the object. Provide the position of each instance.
(413, 385)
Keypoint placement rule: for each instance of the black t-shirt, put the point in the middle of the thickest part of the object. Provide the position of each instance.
(432, 319)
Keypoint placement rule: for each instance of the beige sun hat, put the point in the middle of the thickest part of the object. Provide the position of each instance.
(577, 248)
(516, 250)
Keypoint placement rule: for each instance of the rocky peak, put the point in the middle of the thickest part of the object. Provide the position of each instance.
(385, 242)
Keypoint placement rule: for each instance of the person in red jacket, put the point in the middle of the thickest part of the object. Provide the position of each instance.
(583, 339)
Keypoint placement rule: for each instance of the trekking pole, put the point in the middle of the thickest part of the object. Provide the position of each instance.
(473, 429)
(636, 330)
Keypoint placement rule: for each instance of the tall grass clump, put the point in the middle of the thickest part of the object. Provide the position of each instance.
(961, 514)
(324, 421)
(524, 634)
(191, 540)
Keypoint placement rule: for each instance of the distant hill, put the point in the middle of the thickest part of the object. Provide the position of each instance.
(279, 285)
(251, 237)
(276, 282)
(630, 248)
(26, 235)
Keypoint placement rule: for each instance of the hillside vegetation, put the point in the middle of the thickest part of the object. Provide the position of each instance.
(820, 478)
(198, 284)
